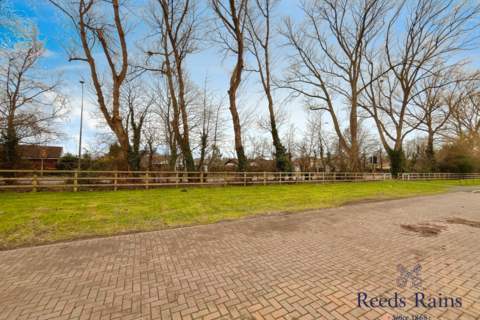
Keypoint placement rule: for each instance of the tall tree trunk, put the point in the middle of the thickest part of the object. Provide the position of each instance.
(122, 137)
(236, 10)
(10, 141)
(135, 154)
(203, 148)
(173, 157)
(283, 162)
(397, 160)
(179, 107)
(234, 84)
(261, 41)
(9, 152)
(354, 157)
(187, 151)
(430, 151)
(150, 157)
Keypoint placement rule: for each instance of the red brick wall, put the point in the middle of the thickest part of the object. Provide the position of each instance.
(47, 163)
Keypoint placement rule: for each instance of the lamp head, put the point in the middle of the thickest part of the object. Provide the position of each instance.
(82, 82)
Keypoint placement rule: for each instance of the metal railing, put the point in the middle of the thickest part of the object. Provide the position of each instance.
(113, 180)
(440, 176)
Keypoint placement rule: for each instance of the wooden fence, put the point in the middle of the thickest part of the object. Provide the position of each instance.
(32, 180)
(440, 176)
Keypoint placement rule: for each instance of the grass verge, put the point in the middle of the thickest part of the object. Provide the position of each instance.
(39, 218)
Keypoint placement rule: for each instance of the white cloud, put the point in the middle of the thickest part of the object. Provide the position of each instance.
(50, 54)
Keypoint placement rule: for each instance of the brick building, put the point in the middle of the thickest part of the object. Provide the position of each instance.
(32, 153)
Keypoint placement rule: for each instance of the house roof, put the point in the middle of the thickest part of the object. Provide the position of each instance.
(33, 151)
(231, 161)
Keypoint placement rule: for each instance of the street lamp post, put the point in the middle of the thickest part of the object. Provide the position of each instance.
(80, 140)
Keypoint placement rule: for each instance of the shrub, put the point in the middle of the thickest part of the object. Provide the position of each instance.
(457, 158)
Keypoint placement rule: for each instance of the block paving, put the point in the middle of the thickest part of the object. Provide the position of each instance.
(309, 265)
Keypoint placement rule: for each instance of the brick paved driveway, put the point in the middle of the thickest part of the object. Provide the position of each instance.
(306, 266)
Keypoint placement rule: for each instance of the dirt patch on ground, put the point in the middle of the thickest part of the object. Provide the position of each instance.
(475, 224)
(425, 229)
(270, 214)
(371, 200)
(275, 213)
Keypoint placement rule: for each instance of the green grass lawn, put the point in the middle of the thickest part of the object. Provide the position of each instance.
(450, 182)
(38, 218)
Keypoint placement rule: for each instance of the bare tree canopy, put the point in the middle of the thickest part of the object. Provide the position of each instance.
(32, 105)
(326, 58)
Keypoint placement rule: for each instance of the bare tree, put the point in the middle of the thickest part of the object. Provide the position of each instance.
(10, 19)
(290, 139)
(93, 24)
(163, 109)
(440, 97)
(151, 140)
(228, 32)
(135, 107)
(282, 117)
(209, 128)
(464, 123)
(314, 143)
(32, 107)
(327, 58)
(434, 33)
(175, 28)
(136, 102)
(262, 34)
(258, 147)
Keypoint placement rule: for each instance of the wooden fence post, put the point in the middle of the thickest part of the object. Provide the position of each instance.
(176, 180)
(244, 178)
(146, 187)
(75, 182)
(115, 182)
(225, 179)
(280, 178)
(264, 178)
(334, 177)
(35, 181)
(201, 179)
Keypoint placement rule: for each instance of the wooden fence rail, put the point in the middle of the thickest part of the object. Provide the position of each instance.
(76, 180)
(440, 176)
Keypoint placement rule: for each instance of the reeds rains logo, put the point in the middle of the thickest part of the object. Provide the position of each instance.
(363, 300)
(403, 280)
